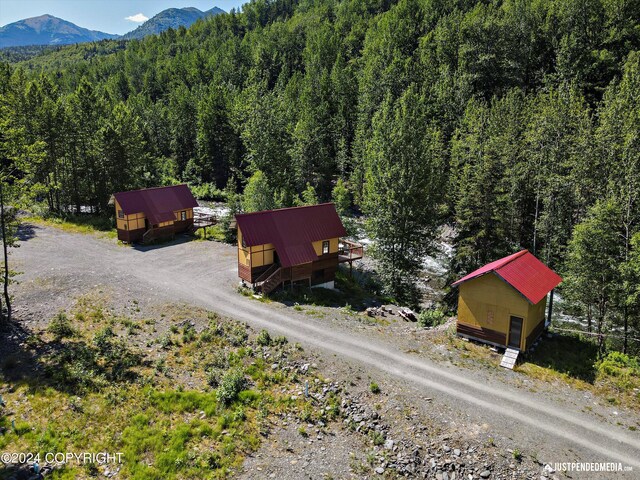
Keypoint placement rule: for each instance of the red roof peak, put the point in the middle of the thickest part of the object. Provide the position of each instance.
(291, 230)
(286, 208)
(157, 203)
(524, 272)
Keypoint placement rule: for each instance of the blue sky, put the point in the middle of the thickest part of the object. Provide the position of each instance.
(104, 15)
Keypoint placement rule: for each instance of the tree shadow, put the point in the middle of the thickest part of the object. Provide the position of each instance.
(568, 354)
(177, 240)
(356, 291)
(26, 231)
(74, 366)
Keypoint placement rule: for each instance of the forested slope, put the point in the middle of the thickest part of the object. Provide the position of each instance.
(517, 122)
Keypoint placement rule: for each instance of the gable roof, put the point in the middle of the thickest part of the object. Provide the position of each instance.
(158, 204)
(524, 272)
(292, 230)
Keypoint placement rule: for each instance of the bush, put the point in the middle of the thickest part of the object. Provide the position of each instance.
(232, 383)
(373, 386)
(60, 327)
(264, 338)
(431, 318)
(620, 369)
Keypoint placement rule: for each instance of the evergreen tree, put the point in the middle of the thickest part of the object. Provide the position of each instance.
(402, 191)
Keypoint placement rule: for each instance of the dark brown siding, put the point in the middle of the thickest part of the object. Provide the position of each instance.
(183, 226)
(244, 272)
(130, 236)
(162, 232)
(483, 334)
(301, 272)
(535, 333)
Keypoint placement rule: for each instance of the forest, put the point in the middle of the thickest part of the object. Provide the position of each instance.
(516, 123)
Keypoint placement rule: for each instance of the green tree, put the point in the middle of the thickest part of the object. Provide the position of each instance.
(592, 274)
(402, 191)
(341, 197)
(257, 195)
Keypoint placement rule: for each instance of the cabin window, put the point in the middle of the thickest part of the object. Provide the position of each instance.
(325, 247)
(120, 214)
(244, 245)
(183, 216)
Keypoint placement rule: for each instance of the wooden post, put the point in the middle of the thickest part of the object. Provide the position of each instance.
(550, 310)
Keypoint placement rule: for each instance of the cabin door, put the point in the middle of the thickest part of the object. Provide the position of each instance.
(515, 332)
(146, 224)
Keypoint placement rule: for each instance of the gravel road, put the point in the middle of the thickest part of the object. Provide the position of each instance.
(204, 274)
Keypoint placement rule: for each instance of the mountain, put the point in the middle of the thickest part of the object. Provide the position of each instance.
(47, 30)
(170, 18)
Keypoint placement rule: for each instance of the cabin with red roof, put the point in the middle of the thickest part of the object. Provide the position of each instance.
(289, 245)
(504, 302)
(152, 213)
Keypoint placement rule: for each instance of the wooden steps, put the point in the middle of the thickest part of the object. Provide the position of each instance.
(272, 282)
(509, 358)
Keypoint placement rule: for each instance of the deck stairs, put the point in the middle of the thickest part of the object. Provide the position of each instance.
(270, 280)
(509, 358)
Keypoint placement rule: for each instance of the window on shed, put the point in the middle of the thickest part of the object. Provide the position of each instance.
(325, 247)
(120, 214)
(183, 215)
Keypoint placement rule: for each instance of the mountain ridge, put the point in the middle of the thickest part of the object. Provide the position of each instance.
(50, 30)
(170, 18)
(47, 30)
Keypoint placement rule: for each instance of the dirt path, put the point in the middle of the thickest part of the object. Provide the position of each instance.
(204, 274)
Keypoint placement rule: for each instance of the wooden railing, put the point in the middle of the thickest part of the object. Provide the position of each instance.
(349, 251)
(267, 273)
(272, 282)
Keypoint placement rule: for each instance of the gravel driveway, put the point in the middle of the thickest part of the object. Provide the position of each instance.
(204, 274)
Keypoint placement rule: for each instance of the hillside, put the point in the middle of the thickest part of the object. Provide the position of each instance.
(170, 18)
(511, 124)
(47, 30)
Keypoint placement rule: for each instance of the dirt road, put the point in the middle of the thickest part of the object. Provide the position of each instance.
(204, 274)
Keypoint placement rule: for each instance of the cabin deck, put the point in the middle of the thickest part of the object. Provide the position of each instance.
(349, 251)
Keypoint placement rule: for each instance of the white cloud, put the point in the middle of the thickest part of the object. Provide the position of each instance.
(137, 18)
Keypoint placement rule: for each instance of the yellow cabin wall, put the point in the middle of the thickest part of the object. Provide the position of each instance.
(489, 302)
(261, 255)
(135, 221)
(333, 246)
(536, 315)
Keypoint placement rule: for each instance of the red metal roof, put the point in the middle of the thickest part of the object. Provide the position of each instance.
(522, 271)
(158, 204)
(292, 230)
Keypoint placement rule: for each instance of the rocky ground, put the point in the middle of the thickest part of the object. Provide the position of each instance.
(397, 432)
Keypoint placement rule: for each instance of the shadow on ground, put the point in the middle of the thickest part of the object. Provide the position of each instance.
(26, 231)
(177, 240)
(571, 355)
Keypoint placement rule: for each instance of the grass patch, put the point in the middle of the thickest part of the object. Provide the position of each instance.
(84, 224)
(98, 393)
(349, 294)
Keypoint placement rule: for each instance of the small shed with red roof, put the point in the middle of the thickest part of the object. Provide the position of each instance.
(504, 302)
(152, 213)
(295, 244)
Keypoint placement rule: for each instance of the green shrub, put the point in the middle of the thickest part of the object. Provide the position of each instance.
(232, 383)
(373, 386)
(431, 318)
(213, 377)
(60, 327)
(620, 369)
(264, 338)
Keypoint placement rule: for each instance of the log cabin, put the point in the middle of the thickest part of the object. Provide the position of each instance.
(152, 213)
(290, 245)
(503, 303)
